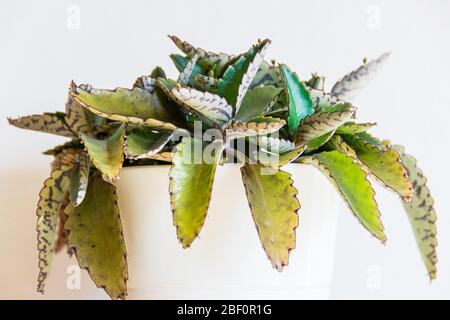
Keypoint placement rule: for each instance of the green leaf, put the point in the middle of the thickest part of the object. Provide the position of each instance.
(187, 72)
(137, 106)
(421, 213)
(211, 108)
(79, 180)
(316, 143)
(350, 85)
(205, 83)
(299, 101)
(107, 154)
(275, 152)
(351, 181)
(384, 165)
(191, 182)
(78, 118)
(267, 75)
(352, 128)
(96, 235)
(181, 62)
(237, 77)
(51, 200)
(274, 205)
(316, 82)
(322, 122)
(206, 59)
(143, 142)
(321, 99)
(256, 126)
(256, 101)
(53, 123)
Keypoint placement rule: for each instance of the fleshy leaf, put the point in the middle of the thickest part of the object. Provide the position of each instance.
(322, 122)
(51, 199)
(319, 141)
(421, 213)
(187, 72)
(191, 182)
(321, 99)
(267, 75)
(351, 181)
(206, 59)
(256, 126)
(78, 118)
(211, 108)
(237, 77)
(95, 235)
(79, 180)
(384, 165)
(274, 205)
(137, 106)
(205, 83)
(299, 101)
(107, 154)
(256, 101)
(350, 85)
(143, 142)
(316, 82)
(352, 128)
(275, 152)
(53, 123)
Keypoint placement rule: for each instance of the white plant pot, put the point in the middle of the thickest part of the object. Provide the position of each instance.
(227, 260)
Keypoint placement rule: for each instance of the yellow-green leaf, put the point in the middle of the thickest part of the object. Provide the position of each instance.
(53, 123)
(96, 236)
(351, 181)
(142, 142)
(274, 205)
(80, 180)
(352, 128)
(107, 154)
(421, 213)
(256, 126)
(51, 200)
(191, 182)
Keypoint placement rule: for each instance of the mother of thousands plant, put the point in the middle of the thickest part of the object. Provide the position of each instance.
(222, 109)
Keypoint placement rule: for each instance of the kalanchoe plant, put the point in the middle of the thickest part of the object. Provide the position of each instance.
(249, 102)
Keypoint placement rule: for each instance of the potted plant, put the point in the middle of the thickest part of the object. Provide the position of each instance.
(225, 114)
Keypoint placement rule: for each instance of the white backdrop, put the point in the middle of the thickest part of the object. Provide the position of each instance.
(44, 46)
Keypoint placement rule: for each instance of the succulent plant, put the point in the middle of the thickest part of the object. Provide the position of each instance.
(236, 109)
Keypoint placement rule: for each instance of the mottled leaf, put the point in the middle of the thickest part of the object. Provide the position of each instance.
(137, 106)
(107, 154)
(321, 99)
(187, 72)
(421, 213)
(384, 165)
(211, 108)
(53, 123)
(256, 126)
(51, 200)
(79, 180)
(237, 77)
(143, 142)
(191, 181)
(205, 83)
(316, 143)
(274, 205)
(350, 85)
(352, 128)
(299, 101)
(322, 122)
(351, 181)
(267, 75)
(256, 102)
(96, 236)
(316, 82)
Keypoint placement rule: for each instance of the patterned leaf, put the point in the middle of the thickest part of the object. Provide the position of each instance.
(322, 122)
(95, 234)
(108, 154)
(78, 118)
(384, 165)
(137, 106)
(352, 128)
(256, 101)
(143, 142)
(53, 123)
(275, 152)
(206, 59)
(274, 205)
(421, 213)
(61, 232)
(256, 126)
(267, 75)
(316, 143)
(321, 99)
(211, 108)
(299, 101)
(351, 181)
(316, 82)
(181, 62)
(79, 180)
(191, 181)
(350, 85)
(187, 72)
(205, 83)
(51, 199)
(237, 77)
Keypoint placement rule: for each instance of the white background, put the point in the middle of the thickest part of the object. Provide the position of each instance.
(118, 41)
